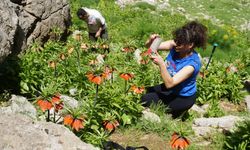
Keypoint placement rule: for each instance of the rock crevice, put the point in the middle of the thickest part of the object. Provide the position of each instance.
(24, 21)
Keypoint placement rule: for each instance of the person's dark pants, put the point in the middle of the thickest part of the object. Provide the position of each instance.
(103, 35)
(177, 104)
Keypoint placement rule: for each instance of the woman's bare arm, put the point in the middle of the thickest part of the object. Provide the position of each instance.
(179, 77)
(166, 45)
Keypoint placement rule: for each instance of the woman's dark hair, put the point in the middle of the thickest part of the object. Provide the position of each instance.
(192, 32)
(81, 12)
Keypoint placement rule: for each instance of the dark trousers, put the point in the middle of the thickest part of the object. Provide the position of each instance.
(176, 104)
(103, 35)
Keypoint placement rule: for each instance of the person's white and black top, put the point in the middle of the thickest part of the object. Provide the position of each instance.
(97, 26)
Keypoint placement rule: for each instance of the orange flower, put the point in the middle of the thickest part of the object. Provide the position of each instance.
(98, 61)
(70, 50)
(145, 58)
(94, 46)
(44, 105)
(68, 120)
(77, 35)
(137, 90)
(127, 49)
(84, 47)
(97, 79)
(93, 62)
(231, 69)
(55, 99)
(52, 64)
(75, 124)
(90, 75)
(202, 74)
(104, 46)
(110, 125)
(107, 72)
(62, 56)
(178, 141)
(126, 76)
(58, 104)
(144, 61)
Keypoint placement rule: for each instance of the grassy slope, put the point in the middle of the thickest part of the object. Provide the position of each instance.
(136, 26)
(232, 12)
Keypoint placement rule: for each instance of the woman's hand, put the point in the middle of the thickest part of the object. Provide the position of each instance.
(153, 36)
(151, 39)
(157, 59)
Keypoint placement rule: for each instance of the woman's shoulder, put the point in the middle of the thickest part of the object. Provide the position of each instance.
(194, 59)
(196, 56)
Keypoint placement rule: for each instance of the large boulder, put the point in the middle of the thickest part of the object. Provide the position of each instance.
(24, 21)
(21, 132)
(19, 104)
(8, 28)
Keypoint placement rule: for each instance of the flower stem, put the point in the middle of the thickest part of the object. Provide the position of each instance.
(96, 94)
(58, 119)
(54, 118)
(55, 72)
(125, 88)
(112, 77)
(78, 56)
(48, 116)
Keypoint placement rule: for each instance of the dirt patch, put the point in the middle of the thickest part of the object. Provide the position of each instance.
(138, 138)
(230, 107)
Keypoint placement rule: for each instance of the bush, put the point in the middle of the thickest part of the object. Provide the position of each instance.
(240, 138)
(220, 81)
(225, 36)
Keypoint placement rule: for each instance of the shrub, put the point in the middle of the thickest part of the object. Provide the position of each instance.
(219, 82)
(240, 138)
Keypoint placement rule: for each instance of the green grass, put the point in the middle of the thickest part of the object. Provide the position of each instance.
(232, 12)
(157, 136)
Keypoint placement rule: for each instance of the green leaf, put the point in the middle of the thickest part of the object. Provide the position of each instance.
(126, 119)
(24, 86)
(116, 105)
(94, 127)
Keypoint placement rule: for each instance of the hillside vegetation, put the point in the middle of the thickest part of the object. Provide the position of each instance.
(106, 96)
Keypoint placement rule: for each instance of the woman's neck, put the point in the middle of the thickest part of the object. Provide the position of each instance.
(185, 54)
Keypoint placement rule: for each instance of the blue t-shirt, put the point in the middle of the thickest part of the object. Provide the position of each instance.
(174, 64)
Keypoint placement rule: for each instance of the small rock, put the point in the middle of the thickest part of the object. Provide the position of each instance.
(73, 91)
(151, 116)
(225, 122)
(198, 109)
(247, 99)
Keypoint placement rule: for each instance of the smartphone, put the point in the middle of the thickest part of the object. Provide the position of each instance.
(155, 44)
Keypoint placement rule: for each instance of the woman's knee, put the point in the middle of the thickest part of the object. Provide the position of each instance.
(144, 100)
(148, 99)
